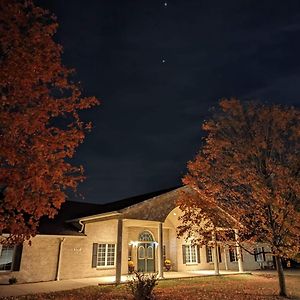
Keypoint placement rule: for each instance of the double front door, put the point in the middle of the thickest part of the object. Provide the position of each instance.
(146, 257)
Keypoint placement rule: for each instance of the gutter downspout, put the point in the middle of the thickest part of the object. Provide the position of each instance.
(61, 241)
(82, 226)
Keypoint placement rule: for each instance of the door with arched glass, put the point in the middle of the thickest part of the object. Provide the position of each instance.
(146, 252)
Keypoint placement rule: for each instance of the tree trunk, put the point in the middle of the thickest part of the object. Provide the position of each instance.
(282, 287)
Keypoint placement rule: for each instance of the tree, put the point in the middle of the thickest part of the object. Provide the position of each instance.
(249, 166)
(40, 126)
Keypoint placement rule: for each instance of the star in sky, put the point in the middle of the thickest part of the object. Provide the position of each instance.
(163, 61)
(166, 4)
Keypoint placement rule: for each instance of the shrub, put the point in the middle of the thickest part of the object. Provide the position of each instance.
(168, 264)
(130, 266)
(12, 280)
(142, 286)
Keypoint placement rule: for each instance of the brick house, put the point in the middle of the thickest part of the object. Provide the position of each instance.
(91, 240)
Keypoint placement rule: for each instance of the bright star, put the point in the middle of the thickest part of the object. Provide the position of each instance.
(163, 61)
(165, 4)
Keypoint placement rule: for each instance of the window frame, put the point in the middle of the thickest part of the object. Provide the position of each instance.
(259, 255)
(209, 254)
(235, 255)
(106, 266)
(12, 259)
(188, 254)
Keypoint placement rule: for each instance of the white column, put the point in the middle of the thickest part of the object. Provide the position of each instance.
(215, 256)
(160, 251)
(225, 258)
(60, 248)
(119, 251)
(238, 251)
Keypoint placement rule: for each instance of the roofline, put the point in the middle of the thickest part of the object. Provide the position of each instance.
(116, 213)
(94, 217)
(221, 209)
(154, 197)
(60, 235)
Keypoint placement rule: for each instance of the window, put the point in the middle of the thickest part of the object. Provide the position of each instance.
(146, 236)
(233, 254)
(141, 252)
(150, 252)
(6, 257)
(106, 255)
(208, 254)
(190, 254)
(259, 254)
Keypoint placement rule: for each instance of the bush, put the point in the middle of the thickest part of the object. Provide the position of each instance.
(168, 264)
(130, 266)
(142, 286)
(12, 280)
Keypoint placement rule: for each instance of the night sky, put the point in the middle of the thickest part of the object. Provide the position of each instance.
(158, 67)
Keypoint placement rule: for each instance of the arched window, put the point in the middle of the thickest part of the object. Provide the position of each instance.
(150, 252)
(141, 252)
(146, 236)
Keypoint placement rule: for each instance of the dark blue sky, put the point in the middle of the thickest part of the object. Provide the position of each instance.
(148, 125)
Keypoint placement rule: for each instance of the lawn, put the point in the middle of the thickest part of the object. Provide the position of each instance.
(223, 287)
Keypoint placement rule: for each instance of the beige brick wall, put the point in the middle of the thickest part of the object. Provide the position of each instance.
(77, 253)
(39, 261)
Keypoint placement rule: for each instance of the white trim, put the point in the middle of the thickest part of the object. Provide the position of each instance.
(190, 246)
(93, 217)
(106, 266)
(59, 236)
(13, 256)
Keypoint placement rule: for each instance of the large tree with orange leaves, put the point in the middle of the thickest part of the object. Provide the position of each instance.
(249, 166)
(40, 126)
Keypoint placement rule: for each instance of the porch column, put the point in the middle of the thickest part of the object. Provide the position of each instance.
(225, 258)
(60, 247)
(215, 256)
(238, 251)
(160, 251)
(119, 251)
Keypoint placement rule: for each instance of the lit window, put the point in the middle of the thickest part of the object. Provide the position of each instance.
(106, 255)
(191, 255)
(146, 236)
(6, 257)
(141, 252)
(150, 252)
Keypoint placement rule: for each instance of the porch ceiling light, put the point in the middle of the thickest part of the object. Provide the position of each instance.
(133, 243)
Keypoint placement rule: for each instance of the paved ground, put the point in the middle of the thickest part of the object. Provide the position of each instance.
(52, 286)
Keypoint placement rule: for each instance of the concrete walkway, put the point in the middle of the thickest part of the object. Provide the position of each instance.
(62, 285)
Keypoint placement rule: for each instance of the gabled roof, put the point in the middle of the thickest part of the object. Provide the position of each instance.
(71, 210)
(68, 210)
(153, 206)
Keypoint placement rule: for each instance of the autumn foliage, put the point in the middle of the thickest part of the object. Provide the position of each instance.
(249, 167)
(39, 122)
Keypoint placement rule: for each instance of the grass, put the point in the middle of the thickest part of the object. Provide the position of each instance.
(201, 288)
